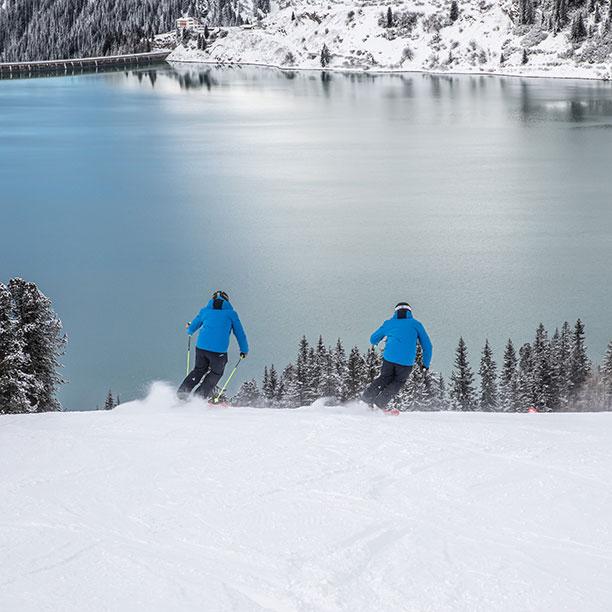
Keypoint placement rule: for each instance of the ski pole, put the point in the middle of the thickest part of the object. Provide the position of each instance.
(216, 399)
(188, 352)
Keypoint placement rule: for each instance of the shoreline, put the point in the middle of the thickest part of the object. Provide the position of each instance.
(383, 71)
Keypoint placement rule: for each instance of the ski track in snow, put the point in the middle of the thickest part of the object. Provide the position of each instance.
(170, 506)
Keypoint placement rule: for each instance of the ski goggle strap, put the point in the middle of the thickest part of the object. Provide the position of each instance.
(403, 306)
(220, 294)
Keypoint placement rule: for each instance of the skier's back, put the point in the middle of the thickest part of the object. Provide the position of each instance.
(216, 321)
(403, 333)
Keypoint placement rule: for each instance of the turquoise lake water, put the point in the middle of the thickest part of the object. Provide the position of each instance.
(317, 201)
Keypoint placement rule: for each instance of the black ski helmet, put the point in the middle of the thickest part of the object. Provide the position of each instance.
(220, 294)
(402, 308)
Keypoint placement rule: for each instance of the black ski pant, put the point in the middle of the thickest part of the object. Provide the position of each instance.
(208, 365)
(389, 382)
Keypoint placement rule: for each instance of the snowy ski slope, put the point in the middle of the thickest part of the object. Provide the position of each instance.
(155, 506)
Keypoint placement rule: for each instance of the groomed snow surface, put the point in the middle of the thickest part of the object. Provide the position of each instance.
(161, 506)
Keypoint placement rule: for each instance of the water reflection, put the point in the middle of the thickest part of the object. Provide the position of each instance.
(530, 100)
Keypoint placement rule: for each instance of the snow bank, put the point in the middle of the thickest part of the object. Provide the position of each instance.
(165, 506)
(483, 40)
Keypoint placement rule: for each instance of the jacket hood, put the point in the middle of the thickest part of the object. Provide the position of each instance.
(225, 306)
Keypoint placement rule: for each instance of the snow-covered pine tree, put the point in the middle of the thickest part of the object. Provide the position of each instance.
(270, 386)
(542, 370)
(580, 368)
(508, 387)
(526, 12)
(303, 372)
(281, 391)
(356, 374)
(325, 56)
(44, 341)
(389, 17)
(462, 393)
(488, 380)
(17, 385)
(248, 394)
(340, 371)
(454, 11)
(606, 378)
(319, 365)
(525, 379)
(109, 402)
(327, 378)
(373, 363)
(292, 389)
(578, 31)
(559, 17)
(314, 376)
(562, 360)
(438, 389)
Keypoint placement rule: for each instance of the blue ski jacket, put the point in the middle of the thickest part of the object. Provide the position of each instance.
(402, 336)
(216, 320)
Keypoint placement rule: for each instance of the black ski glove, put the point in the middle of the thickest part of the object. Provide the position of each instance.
(243, 355)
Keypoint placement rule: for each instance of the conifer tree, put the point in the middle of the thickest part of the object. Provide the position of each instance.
(606, 378)
(43, 339)
(248, 394)
(525, 378)
(438, 387)
(340, 371)
(325, 56)
(389, 17)
(488, 379)
(578, 31)
(526, 12)
(327, 380)
(109, 402)
(508, 400)
(462, 393)
(562, 360)
(542, 371)
(270, 387)
(580, 367)
(559, 14)
(373, 363)
(303, 372)
(292, 389)
(356, 374)
(17, 385)
(454, 11)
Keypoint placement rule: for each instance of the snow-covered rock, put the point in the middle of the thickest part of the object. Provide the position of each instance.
(483, 39)
(163, 506)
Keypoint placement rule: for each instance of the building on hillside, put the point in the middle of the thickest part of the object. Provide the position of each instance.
(187, 23)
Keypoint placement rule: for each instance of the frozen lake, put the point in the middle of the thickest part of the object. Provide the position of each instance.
(317, 201)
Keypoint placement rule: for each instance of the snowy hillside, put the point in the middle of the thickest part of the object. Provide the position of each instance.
(156, 506)
(480, 37)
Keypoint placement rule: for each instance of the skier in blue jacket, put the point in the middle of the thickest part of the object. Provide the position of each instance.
(215, 321)
(402, 332)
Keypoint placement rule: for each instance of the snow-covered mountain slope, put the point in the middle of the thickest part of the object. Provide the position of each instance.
(484, 38)
(158, 506)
